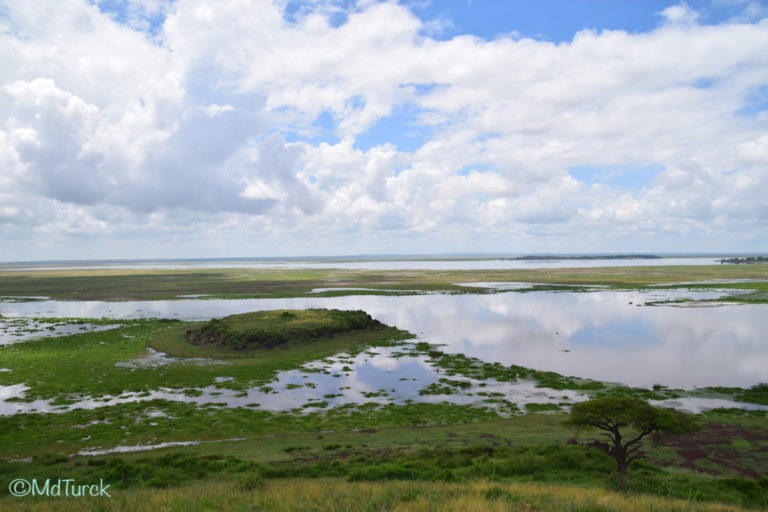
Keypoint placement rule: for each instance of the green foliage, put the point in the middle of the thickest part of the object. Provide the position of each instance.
(733, 412)
(171, 469)
(757, 394)
(611, 412)
(739, 491)
(85, 364)
(251, 481)
(48, 459)
(270, 329)
(543, 407)
(657, 393)
(636, 417)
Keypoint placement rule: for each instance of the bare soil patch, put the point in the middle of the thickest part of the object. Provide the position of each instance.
(720, 448)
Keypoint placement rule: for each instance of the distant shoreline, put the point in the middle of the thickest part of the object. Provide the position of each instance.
(385, 257)
(589, 257)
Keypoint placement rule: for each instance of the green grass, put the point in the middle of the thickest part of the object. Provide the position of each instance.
(368, 442)
(69, 367)
(263, 330)
(448, 455)
(104, 284)
(370, 455)
(94, 363)
(82, 363)
(252, 492)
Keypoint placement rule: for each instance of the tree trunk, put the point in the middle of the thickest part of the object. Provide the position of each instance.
(621, 468)
(619, 453)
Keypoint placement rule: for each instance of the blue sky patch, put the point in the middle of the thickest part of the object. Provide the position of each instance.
(619, 334)
(422, 89)
(625, 176)
(128, 14)
(337, 10)
(322, 129)
(704, 83)
(403, 128)
(558, 20)
(756, 102)
(477, 167)
(554, 20)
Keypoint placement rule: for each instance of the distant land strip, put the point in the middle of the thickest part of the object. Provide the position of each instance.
(751, 259)
(591, 257)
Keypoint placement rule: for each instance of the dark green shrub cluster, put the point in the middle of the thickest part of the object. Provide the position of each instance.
(757, 394)
(550, 463)
(541, 407)
(742, 491)
(168, 470)
(48, 459)
(269, 331)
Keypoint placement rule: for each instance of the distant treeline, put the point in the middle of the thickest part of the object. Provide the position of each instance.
(750, 259)
(593, 257)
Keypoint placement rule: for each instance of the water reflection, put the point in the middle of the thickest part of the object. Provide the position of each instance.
(382, 375)
(13, 330)
(154, 359)
(146, 447)
(601, 335)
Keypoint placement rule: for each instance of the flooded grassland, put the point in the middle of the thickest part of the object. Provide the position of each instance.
(495, 370)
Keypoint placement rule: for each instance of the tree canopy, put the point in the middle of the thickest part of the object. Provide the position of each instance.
(636, 417)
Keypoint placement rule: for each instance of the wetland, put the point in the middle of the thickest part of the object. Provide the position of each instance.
(380, 375)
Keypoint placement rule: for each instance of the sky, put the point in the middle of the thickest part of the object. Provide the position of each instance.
(254, 128)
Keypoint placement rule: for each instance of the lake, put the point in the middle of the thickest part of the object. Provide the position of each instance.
(602, 335)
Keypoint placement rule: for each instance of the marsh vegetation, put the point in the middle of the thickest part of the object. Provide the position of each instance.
(271, 329)
(343, 406)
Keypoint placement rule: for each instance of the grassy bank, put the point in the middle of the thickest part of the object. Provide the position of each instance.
(531, 449)
(329, 494)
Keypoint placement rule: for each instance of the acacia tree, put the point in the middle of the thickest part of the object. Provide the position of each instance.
(636, 417)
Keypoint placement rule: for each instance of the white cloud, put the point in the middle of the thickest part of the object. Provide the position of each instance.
(755, 151)
(680, 13)
(204, 128)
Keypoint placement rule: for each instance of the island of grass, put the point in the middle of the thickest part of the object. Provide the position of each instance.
(280, 335)
(282, 328)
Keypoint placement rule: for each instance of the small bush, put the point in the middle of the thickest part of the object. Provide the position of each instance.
(251, 482)
(49, 459)
(495, 493)
(446, 475)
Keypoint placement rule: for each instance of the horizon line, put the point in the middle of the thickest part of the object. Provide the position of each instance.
(422, 256)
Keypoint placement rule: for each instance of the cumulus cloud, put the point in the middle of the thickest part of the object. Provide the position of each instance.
(176, 118)
(680, 13)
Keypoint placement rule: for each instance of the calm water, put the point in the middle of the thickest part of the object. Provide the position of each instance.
(14, 330)
(600, 335)
(379, 375)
